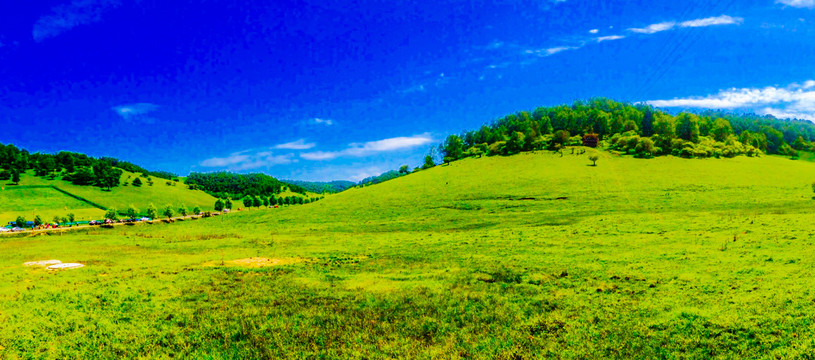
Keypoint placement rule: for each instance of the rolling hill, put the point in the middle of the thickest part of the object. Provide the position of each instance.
(531, 255)
(48, 202)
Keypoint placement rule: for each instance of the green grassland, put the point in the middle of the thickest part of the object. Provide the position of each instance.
(527, 256)
(43, 201)
(120, 197)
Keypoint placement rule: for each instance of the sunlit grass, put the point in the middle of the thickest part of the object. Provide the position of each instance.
(527, 256)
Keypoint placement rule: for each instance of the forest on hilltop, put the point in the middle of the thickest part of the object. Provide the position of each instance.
(639, 130)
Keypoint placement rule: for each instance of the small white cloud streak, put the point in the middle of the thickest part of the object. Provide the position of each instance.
(371, 147)
(66, 17)
(136, 111)
(713, 21)
(798, 3)
(609, 38)
(245, 160)
(654, 28)
(593, 31)
(793, 101)
(300, 144)
(326, 122)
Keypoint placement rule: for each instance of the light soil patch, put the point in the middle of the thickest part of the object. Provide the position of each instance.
(65, 266)
(42, 263)
(257, 262)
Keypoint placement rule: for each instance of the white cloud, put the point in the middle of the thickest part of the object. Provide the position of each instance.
(68, 16)
(609, 38)
(793, 101)
(371, 147)
(136, 112)
(712, 21)
(300, 144)
(245, 160)
(318, 121)
(670, 25)
(654, 28)
(798, 3)
(552, 50)
(593, 31)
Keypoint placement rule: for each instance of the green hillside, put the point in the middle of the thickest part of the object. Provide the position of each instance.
(120, 197)
(527, 256)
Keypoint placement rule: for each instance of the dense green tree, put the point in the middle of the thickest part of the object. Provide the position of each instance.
(228, 204)
(265, 202)
(71, 218)
(453, 147)
(219, 205)
(721, 129)
(404, 170)
(152, 212)
(247, 202)
(687, 127)
(111, 214)
(137, 182)
(15, 177)
(132, 212)
(168, 211)
(428, 162)
(182, 210)
(196, 210)
(37, 220)
(20, 222)
(256, 201)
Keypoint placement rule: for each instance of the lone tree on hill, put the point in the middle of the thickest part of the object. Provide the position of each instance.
(152, 212)
(428, 162)
(182, 210)
(15, 177)
(219, 205)
(196, 210)
(168, 211)
(137, 182)
(594, 159)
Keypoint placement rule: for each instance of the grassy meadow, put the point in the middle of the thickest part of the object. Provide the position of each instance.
(520, 257)
(51, 202)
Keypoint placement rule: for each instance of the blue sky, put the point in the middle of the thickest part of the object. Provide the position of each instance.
(324, 90)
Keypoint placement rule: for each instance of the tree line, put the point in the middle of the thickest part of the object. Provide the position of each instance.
(225, 184)
(79, 169)
(639, 129)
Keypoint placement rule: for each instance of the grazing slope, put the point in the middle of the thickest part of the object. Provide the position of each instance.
(120, 197)
(526, 256)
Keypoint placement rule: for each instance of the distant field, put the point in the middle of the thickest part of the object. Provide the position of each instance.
(528, 256)
(160, 194)
(45, 202)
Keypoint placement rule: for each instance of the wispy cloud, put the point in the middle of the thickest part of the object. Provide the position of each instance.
(68, 16)
(246, 160)
(136, 112)
(300, 144)
(552, 50)
(318, 121)
(792, 101)
(371, 147)
(593, 31)
(798, 3)
(712, 21)
(609, 38)
(670, 25)
(654, 28)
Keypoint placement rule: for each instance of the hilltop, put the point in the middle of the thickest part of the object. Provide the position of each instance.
(664, 257)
